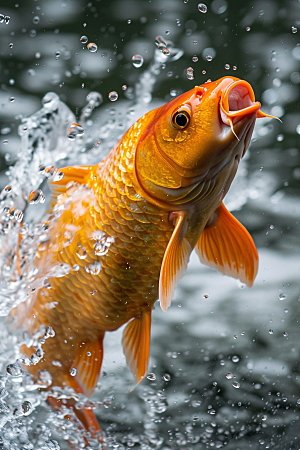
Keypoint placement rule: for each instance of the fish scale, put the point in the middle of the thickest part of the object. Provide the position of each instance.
(155, 197)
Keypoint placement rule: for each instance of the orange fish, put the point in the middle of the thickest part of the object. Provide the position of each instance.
(121, 232)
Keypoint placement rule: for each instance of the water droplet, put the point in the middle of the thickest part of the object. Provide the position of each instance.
(36, 20)
(190, 73)
(160, 42)
(294, 30)
(74, 131)
(209, 58)
(27, 408)
(203, 72)
(137, 61)
(166, 377)
(248, 28)
(282, 297)
(36, 197)
(11, 45)
(264, 417)
(11, 81)
(113, 96)
(286, 311)
(83, 39)
(94, 98)
(234, 67)
(151, 376)
(166, 52)
(81, 253)
(92, 47)
(7, 19)
(168, 32)
(271, 331)
(285, 334)
(129, 21)
(15, 369)
(124, 87)
(202, 7)
(195, 58)
(11, 99)
(44, 378)
(227, 66)
(94, 269)
(236, 385)
(49, 332)
(73, 372)
(229, 376)
(235, 359)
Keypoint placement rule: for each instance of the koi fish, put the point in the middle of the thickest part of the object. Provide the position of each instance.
(123, 230)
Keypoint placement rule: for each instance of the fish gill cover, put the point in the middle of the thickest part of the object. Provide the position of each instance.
(224, 361)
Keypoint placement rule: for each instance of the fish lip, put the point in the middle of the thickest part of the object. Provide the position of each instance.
(237, 101)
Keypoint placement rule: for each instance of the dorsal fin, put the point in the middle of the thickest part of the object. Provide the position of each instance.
(225, 245)
(175, 261)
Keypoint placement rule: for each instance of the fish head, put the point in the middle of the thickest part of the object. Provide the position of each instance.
(200, 134)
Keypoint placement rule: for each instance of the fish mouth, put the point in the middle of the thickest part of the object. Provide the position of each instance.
(238, 101)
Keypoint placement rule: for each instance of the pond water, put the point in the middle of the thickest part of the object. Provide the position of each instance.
(224, 369)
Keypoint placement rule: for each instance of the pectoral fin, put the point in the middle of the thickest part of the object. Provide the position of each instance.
(226, 245)
(174, 263)
(78, 174)
(136, 344)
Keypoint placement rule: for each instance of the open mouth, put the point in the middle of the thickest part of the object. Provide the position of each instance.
(238, 101)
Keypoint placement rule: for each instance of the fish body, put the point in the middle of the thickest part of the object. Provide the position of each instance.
(121, 232)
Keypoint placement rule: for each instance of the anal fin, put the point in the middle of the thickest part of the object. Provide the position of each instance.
(225, 245)
(175, 261)
(136, 344)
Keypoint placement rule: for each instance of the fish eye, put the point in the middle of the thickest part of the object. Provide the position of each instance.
(181, 119)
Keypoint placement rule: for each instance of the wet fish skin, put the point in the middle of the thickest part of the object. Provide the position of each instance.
(127, 226)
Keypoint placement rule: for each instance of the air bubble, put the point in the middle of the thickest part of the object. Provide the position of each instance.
(113, 96)
(285, 334)
(83, 39)
(36, 20)
(235, 359)
(195, 58)
(137, 61)
(73, 372)
(234, 67)
(202, 8)
(271, 331)
(209, 58)
(229, 376)
(236, 385)
(227, 66)
(7, 19)
(166, 377)
(92, 47)
(282, 297)
(294, 30)
(36, 197)
(248, 28)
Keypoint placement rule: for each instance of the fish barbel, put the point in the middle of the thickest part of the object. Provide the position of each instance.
(123, 231)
